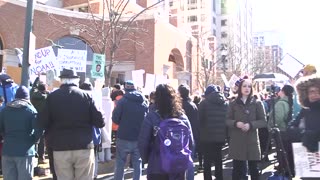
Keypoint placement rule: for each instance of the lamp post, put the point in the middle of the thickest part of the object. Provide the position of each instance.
(26, 49)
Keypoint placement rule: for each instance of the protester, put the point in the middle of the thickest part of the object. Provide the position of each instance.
(283, 115)
(38, 96)
(191, 111)
(96, 132)
(107, 107)
(68, 117)
(129, 113)
(212, 115)
(168, 105)
(20, 133)
(199, 150)
(245, 116)
(308, 89)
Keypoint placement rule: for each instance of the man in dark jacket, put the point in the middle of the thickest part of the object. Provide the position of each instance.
(129, 114)
(191, 111)
(212, 116)
(68, 117)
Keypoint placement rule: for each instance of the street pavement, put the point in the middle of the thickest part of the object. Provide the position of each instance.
(106, 170)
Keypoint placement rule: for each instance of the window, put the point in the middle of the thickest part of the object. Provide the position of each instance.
(214, 5)
(171, 3)
(224, 34)
(223, 22)
(192, 19)
(213, 20)
(192, 1)
(84, 9)
(214, 32)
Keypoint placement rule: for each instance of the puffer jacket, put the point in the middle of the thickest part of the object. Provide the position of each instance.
(213, 115)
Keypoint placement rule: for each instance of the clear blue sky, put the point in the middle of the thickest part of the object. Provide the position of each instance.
(297, 20)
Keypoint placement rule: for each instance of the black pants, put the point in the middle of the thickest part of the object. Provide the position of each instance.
(41, 149)
(287, 145)
(180, 176)
(212, 154)
(240, 167)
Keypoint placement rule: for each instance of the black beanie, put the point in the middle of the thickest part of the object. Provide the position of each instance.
(22, 93)
(86, 86)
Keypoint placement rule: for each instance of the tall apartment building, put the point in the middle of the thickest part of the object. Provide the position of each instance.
(267, 51)
(234, 34)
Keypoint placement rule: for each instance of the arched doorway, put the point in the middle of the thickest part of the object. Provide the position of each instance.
(76, 43)
(179, 72)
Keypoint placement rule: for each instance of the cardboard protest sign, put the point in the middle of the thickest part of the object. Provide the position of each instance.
(72, 59)
(45, 60)
(97, 69)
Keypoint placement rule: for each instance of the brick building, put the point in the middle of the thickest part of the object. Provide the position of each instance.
(159, 49)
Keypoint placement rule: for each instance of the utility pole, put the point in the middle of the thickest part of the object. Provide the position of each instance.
(26, 48)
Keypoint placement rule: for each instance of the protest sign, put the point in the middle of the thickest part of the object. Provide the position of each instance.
(97, 69)
(137, 77)
(290, 65)
(45, 60)
(72, 59)
(149, 85)
(307, 164)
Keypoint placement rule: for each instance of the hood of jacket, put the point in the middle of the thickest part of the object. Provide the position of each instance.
(215, 98)
(134, 96)
(18, 103)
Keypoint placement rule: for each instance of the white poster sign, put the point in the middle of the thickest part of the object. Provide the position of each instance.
(225, 81)
(45, 60)
(233, 80)
(150, 80)
(137, 77)
(72, 59)
(160, 79)
(290, 65)
(307, 164)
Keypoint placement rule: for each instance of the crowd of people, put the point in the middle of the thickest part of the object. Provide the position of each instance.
(168, 130)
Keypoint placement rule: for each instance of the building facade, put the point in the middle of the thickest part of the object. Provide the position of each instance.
(268, 51)
(157, 47)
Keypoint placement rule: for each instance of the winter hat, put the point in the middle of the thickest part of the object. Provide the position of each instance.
(22, 93)
(237, 83)
(211, 89)
(129, 86)
(310, 69)
(287, 89)
(184, 90)
(86, 86)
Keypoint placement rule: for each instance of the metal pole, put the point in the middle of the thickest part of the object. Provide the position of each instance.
(27, 30)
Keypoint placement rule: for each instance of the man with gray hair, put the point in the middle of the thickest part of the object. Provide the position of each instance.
(68, 118)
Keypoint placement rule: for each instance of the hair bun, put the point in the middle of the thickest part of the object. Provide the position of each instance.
(245, 77)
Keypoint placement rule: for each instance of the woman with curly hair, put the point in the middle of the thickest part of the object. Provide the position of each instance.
(308, 89)
(168, 105)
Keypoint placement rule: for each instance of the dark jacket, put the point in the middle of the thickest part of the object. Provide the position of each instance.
(149, 151)
(19, 130)
(68, 117)
(191, 111)
(38, 98)
(129, 114)
(213, 115)
(245, 145)
(311, 136)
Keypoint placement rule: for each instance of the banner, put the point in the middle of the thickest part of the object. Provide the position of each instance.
(150, 80)
(97, 68)
(45, 60)
(307, 164)
(72, 59)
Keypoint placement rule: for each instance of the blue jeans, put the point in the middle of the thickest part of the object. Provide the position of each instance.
(17, 168)
(124, 148)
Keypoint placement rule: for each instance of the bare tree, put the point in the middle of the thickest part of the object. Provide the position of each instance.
(109, 29)
(260, 64)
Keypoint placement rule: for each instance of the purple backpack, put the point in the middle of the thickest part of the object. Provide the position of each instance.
(173, 137)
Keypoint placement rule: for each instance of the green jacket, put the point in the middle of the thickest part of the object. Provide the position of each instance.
(281, 114)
